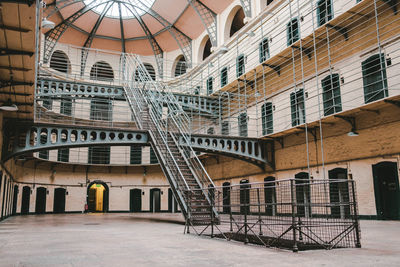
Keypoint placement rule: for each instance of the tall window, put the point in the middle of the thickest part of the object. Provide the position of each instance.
(293, 31)
(240, 69)
(44, 154)
(136, 155)
(150, 71)
(224, 77)
(209, 86)
(242, 121)
(331, 94)
(225, 128)
(263, 50)
(374, 78)
(100, 109)
(267, 119)
(237, 22)
(66, 109)
(153, 157)
(324, 11)
(297, 107)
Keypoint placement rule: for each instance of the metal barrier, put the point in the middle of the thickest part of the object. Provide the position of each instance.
(297, 214)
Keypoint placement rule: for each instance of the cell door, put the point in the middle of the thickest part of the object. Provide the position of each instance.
(41, 194)
(386, 186)
(92, 199)
(26, 198)
(303, 200)
(15, 198)
(155, 200)
(59, 200)
(226, 197)
(135, 204)
(339, 193)
(244, 197)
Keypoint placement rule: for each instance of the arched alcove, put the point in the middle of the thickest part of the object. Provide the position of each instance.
(59, 61)
(102, 71)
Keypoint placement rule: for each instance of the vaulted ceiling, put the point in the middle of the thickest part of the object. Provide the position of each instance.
(135, 26)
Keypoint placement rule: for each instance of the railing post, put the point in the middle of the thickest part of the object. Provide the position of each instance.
(189, 212)
(212, 213)
(355, 215)
(247, 207)
(292, 193)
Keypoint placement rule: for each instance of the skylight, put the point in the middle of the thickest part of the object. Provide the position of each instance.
(129, 8)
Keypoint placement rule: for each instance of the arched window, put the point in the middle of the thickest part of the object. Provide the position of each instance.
(263, 49)
(267, 119)
(374, 78)
(240, 67)
(293, 33)
(59, 61)
(102, 71)
(180, 66)
(207, 49)
(224, 77)
(150, 70)
(237, 22)
(210, 130)
(210, 86)
(324, 11)
(331, 94)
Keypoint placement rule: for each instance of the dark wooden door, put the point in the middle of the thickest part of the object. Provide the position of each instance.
(59, 200)
(155, 200)
(41, 194)
(15, 199)
(26, 198)
(135, 203)
(92, 200)
(303, 200)
(244, 197)
(387, 194)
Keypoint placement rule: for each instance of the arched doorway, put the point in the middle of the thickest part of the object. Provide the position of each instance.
(386, 187)
(40, 207)
(59, 200)
(15, 198)
(135, 200)
(26, 198)
(97, 196)
(339, 193)
(155, 200)
(303, 199)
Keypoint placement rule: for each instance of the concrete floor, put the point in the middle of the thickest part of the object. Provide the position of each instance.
(137, 240)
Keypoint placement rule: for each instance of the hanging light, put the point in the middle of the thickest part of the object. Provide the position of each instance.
(9, 105)
(352, 133)
(47, 24)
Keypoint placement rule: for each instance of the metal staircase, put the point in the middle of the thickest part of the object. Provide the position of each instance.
(166, 125)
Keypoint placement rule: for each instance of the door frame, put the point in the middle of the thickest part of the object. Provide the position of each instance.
(106, 194)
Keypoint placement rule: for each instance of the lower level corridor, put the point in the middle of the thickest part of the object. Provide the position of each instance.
(148, 239)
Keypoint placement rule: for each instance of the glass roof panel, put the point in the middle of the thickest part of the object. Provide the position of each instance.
(129, 8)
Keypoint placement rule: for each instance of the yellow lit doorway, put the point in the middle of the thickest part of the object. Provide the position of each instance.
(97, 199)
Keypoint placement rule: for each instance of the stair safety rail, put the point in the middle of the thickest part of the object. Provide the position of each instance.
(171, 123)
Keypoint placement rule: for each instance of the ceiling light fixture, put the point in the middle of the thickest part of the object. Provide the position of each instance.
(352, 133)
(223, 50)
(47, 24)
(9, 106)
